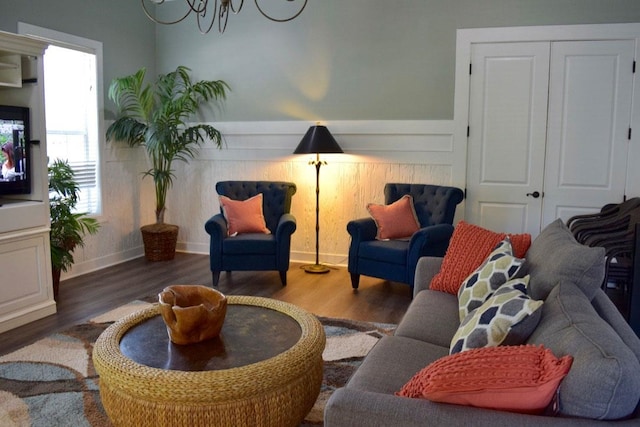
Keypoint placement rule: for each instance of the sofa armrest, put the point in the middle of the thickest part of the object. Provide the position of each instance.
(426, 269)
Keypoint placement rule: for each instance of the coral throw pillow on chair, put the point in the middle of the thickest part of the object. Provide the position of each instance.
(244, 216)
(470, 245)
(397, 220)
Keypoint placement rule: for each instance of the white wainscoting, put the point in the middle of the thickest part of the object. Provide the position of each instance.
(376, 152)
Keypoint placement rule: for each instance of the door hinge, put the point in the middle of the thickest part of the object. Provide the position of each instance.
(468, 131)
(629, 135)
(634, 67)
(465, 192)
(624, 197)
(469, 68)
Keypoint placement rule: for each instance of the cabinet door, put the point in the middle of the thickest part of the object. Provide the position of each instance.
(507, 131)
(589, 117)
(25, 281)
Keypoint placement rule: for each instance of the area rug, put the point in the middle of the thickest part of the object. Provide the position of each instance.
(53, 382)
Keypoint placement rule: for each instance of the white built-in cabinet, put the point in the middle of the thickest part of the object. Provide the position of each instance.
(26, 292)
(547, 115)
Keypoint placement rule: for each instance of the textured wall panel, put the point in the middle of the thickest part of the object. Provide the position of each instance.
(413, 152)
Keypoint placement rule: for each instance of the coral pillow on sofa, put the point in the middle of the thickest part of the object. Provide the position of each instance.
(244, 216)
(470, 245)
(397, 220)
(520, 379)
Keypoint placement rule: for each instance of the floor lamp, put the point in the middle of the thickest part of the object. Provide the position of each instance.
(317, 140)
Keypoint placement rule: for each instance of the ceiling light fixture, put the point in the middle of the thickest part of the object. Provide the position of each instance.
(207, 10)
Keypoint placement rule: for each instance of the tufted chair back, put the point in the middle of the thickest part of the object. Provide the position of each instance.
(434, 204)
(276, 196)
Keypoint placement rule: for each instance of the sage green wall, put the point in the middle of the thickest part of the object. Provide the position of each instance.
(340, 60)
(127, 35)
(356, 59)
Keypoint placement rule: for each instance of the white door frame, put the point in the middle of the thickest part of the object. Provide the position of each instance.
(466, 37)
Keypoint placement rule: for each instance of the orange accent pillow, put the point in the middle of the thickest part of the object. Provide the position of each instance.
(397, 220)
(470, 245)
(244, 216)
(520, 379)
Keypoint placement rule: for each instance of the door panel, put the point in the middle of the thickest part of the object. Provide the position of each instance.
(572, 150)
(503, 216)
(589, 117)
(507, 120)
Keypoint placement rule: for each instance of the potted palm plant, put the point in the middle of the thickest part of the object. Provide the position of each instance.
(155, 116)
(68, 227)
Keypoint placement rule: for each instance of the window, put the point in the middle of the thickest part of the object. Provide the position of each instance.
(73, 108)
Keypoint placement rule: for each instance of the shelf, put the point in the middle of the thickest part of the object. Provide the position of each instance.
(10, 70)
(8, 66)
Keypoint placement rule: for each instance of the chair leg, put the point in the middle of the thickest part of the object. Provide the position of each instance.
(215, 276)
(283, 277)
(355, 280)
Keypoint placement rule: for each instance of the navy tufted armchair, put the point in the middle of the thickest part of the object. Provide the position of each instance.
(396, 260)
(254, 252)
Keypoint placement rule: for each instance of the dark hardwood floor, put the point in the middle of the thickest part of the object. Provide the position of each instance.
(81, 298)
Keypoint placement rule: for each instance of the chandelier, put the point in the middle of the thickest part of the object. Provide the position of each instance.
(207, 11)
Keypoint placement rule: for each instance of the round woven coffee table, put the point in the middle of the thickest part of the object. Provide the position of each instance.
(272, 383)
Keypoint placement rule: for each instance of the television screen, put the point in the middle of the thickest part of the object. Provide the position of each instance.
(14, 155)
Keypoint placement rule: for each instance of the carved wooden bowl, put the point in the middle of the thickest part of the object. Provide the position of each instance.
(192, 313)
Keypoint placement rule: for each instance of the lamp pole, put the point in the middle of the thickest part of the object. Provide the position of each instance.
(317, 267)
(317, 140)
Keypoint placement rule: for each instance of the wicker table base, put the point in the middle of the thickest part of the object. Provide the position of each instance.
(278, 391)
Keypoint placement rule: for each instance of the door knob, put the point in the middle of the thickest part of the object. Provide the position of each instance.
(535, 194)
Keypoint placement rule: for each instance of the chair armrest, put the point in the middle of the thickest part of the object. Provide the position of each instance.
(426, 269)
(216, 226)
(362, 230)
(286, 226)
(428, 241)
(431, 241)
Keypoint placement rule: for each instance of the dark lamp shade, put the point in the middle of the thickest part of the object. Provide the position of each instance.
(318, 139)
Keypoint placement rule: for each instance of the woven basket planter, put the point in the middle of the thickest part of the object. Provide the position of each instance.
(159, 241)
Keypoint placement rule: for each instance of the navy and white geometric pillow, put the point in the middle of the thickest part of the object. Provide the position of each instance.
(490, 324)
(499, 267)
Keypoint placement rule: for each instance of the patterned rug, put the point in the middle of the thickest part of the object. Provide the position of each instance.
(53, 382)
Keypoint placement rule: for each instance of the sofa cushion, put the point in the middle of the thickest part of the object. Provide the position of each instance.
(392, 362)
(432, 317)
(499, 267)
(397, 220)
(516, 378)
(244, 216)
(489, 324)
(556, 256)
(604, 380)
(469, 247)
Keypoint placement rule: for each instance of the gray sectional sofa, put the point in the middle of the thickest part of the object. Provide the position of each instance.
(602, 386)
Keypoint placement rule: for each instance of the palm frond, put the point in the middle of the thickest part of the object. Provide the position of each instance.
(157, 116)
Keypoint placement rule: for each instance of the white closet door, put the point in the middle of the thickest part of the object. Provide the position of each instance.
(508, 125)
(589, 117)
